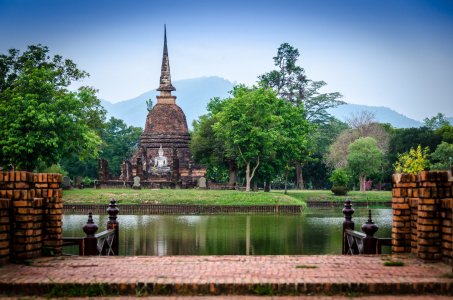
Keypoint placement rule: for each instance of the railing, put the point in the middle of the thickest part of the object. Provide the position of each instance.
(355, 242)
(104, 243)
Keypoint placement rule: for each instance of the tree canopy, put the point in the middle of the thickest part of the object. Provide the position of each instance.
(364, 158)
(40, 120)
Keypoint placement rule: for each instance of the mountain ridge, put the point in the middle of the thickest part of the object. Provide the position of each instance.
(194, 94)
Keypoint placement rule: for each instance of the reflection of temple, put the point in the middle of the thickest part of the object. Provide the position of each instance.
(165, 131)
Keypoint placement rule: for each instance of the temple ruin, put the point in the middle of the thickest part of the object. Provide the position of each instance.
(166, 132)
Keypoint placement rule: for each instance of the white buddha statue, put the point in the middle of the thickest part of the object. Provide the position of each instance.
(160, 163)
(161, 160)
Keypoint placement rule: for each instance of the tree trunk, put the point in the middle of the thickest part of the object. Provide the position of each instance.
(247, 178)
(255, 186)
(267, 186)
(286, 183)
(300, 178)
(232, 167)
(362, 179)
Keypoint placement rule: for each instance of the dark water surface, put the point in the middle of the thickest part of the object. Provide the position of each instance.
(316, 231)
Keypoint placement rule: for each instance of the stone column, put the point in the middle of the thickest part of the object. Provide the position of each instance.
(401, 225)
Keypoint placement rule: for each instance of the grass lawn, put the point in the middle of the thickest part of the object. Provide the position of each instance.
(324, 195)
(168, 196)
(212, 197)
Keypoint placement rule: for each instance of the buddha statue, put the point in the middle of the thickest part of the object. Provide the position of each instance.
(160, 164)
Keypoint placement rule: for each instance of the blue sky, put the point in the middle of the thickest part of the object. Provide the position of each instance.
(383, 53)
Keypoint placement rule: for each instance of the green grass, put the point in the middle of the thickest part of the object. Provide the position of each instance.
(393, 264)
(168, 196)
(325, 195)
(212, 197)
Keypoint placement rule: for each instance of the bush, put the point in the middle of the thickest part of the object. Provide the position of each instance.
(86, 181)
(340, 190)
(339, 177)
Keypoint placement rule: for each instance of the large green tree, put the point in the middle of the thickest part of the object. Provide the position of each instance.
(253, 123)
(40, 121)
(292, 85)
(364, 158)
(441, 158)
(436, 122)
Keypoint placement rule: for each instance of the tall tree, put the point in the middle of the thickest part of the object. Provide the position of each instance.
(40, 121)
(364, 158)
(436, 122)
(292, 85)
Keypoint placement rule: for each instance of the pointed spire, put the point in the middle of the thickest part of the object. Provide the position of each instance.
(165, 78)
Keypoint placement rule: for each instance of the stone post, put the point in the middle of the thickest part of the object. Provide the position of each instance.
(140, 168)
(369, 242)
(90, 241)
(348, 223)
(112, 223)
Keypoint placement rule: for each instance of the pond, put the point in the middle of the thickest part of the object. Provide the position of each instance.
(316, 231)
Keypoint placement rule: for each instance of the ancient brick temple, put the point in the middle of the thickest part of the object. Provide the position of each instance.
(165, 126)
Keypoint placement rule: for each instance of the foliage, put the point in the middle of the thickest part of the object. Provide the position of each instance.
(445, 133)
(436, 122)
(56, 168)
(119, 141)
(340, 190)
(86, 181)
(339, 177)
(442, 156)
(292, 85)
(40, 121)
(13, 64)
(412, 162)
(364, 158)
(257, 125)
(149, 104)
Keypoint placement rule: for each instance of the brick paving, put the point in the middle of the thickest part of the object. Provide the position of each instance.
(229, 275)
(405, 297)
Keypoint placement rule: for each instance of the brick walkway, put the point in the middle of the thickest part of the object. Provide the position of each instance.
(405, 297)
(228, 275)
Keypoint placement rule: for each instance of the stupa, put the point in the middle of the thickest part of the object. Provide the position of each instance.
(165, 131)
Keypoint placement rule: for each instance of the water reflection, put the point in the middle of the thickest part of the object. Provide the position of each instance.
(318, 231)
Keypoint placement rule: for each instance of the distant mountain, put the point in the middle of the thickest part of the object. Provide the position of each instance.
(194, 94)
(383, 114)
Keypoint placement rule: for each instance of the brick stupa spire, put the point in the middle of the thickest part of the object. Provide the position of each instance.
(165, 86)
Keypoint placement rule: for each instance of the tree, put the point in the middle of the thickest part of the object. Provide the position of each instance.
(413, 161)
(436, 122)
(362, 124)
(13, 64)
(445, 133)
(364, 158)
(441, 157)
(119, 141)
(251, 122)
(292, 85)
(40, 121)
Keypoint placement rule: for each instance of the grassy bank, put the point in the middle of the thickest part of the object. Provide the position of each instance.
(317, 195)
(212, 197)
(166, 196)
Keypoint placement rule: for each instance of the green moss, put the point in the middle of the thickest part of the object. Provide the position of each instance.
(306, 267)
(393, 264)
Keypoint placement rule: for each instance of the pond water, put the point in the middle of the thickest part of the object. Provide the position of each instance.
(316, 231)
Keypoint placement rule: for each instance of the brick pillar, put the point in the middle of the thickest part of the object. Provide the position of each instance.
(53, 214)
(5, 205)
(429, 223)
(401, 225)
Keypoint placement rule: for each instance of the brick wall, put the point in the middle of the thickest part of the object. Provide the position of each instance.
(30, 215)
(422, 215)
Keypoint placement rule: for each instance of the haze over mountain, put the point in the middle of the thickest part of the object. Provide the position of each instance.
(194, 94)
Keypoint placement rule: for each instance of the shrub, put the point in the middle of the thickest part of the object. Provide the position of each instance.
(340, 190)
(412, 162)
(86, 181)
(368, 185)
(339, 177)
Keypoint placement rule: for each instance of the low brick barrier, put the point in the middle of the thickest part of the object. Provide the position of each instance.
(30, 215)
(422, 215)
